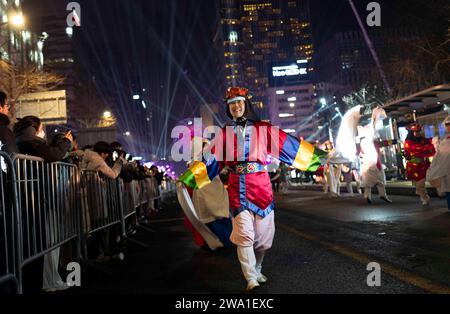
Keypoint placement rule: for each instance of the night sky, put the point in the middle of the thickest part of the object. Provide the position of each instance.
(166, 46)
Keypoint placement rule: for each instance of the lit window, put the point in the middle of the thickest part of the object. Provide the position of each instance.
(285, 115)
(233, 36)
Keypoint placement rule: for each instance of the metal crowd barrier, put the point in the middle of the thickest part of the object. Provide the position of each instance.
(9, 227)
(101, 204)
(48, 207)
(138, 196)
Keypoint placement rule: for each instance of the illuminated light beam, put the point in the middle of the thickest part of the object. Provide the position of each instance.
(189, 82)
(176, 85)
(370, 46)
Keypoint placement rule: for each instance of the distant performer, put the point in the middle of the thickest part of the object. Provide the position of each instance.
(417, 151)
(439, 172)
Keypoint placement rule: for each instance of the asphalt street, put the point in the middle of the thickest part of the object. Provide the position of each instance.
(322, 245)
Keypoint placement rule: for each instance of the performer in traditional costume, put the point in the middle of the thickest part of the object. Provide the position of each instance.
(372, 168)
(439, 172)
(247, 144)
(343, 156)
(417, 151)
(329, 172)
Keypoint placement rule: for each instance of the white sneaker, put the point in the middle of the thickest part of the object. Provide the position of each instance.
(252, 285)
(262, 279)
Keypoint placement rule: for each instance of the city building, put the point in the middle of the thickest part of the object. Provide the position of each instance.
(254, 35)
(346, 61)
(60, 59)
(291, 99)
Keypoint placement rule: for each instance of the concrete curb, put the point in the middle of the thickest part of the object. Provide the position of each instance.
(390, 189)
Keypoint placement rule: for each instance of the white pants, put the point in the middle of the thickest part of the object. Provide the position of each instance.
(421, 190)
(253, 236)
(333, 176)
(381, 191)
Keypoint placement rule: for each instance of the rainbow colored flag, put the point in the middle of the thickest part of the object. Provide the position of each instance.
(301, 154)
(200, 174)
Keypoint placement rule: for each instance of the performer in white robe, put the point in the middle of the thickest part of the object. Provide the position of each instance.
(439, 172)
(372, 168)
(344, 152)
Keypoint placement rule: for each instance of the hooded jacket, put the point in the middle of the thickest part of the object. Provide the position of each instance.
(7, 139)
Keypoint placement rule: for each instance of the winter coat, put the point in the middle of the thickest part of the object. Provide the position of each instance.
(7, 138)
(93, 161)
(29, 144)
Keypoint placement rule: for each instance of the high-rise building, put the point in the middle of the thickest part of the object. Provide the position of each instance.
(346, 60)
(60, 59)
(258, 34)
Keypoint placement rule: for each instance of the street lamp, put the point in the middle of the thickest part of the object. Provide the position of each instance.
(16, 20)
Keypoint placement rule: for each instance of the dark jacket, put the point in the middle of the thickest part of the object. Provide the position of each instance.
(29, 144)
(7, 139)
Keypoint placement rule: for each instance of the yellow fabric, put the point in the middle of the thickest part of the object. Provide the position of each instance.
(304, 156)
(200, 173)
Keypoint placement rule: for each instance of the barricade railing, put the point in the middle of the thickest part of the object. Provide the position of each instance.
(9, 228)
(138, 198)
(101, 204)
(43, 206)
(48, 207)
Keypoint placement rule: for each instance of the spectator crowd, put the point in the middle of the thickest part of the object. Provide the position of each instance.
(27, 137)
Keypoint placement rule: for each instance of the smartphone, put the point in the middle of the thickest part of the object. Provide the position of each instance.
(115, 155)
(127, 156)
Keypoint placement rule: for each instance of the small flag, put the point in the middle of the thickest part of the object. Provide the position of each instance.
(302, 155)
(200, 174)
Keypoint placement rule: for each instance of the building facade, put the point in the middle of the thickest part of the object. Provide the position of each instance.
(60, 59)
(346, 60)
(257, 34)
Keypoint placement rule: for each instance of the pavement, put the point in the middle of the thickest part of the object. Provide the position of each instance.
(322, 245)
(392, 188)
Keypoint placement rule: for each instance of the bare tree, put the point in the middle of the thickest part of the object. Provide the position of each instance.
(369, 96)
(419, 65)
(19, 81)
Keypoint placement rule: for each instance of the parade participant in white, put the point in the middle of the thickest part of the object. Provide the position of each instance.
(372, 168)
(439, 172)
